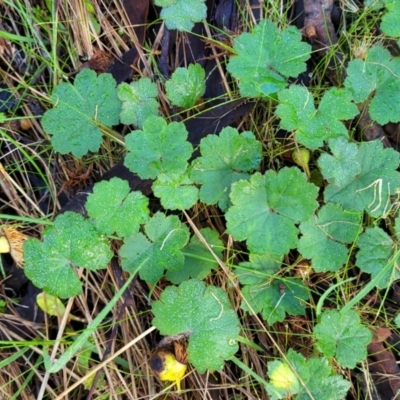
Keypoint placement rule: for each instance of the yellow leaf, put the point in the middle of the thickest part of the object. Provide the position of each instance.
(283, 378)
(165, 365)
(51, 305)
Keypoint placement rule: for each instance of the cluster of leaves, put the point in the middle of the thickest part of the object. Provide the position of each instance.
(273, 212)
(312, 378)
(85, 109)
(339, 335)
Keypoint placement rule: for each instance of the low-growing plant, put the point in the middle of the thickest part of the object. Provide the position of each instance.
(273, 212)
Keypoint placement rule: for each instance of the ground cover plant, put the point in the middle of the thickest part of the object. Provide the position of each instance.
(199, 199)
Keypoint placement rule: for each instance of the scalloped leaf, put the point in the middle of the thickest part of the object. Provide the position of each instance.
(312, 126)
(186, 86)
(378, 74)
(79, 110)
(138, 101)
(375, 251)
(161, 246)
(158, 148)
(114, 208)
(266, 58)
(391, 20)
(274, 298)
(198, 260)
(259, 269)
(205, 315)
(324, 237)
(341, 335)
(225, 159)
(361, 176)
(72, 241)
(266, 210)
(176, 191)
(182, 14)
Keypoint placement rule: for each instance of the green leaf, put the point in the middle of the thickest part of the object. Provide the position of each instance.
(365, 76)
(138, 101)
(361, 176)
(198, 260)
(378, 74)
(79, 109)
(176, 191)
(375, 250)
(158, 148)
(186, 86)
(182, 14)
(259, 268)
(225, 159)
(298, 113)
(72, 241)
(163, 243)
(115, 208)
(266, 58)
(341, 335)
(390, 25)
(324, 237)
(205, 315)
(317, 378)
(266, 209)
(341, 168)
(276, 298)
